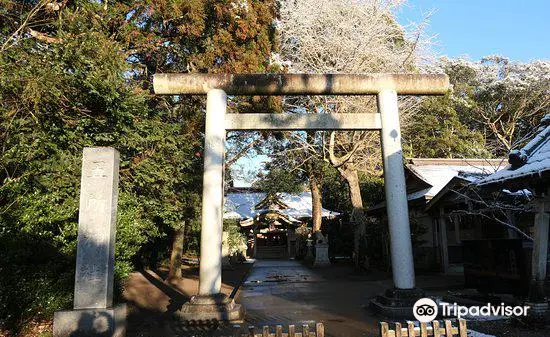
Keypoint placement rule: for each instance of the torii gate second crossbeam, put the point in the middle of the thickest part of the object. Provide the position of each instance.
(217, 86)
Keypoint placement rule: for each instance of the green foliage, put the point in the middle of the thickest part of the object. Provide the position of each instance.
(340, 236)
(35, 276)
(492, 108)
(83, 80)
(236, 239)
(336, 191)
(336, 197)
(302, 234)
(499, 98)
(278, 179)
(437, 132)
(377, 239)
(376, 242)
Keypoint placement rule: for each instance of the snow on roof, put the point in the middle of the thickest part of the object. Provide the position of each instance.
(439, 174)
(241, 205)
(532, 159)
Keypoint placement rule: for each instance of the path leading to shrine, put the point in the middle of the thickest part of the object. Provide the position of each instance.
(286, 292)
(283, 292)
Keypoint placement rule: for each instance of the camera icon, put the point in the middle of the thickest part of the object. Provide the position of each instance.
(425, 310)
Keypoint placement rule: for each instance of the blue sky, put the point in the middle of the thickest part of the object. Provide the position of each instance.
(517, 29)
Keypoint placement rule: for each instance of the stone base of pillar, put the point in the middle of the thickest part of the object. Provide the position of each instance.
(226, 263)
(397, 302)
(110, 322)
(321, 255)
(538, 314)
(212, 308)
(537, 293)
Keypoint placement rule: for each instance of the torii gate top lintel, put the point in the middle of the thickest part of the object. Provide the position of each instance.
(300, 84)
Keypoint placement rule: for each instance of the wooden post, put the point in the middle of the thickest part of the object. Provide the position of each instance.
(456, 223)
(291, 331)
(436, 332)
(384, 329)
(448, 329)
(255, 250)
(251, 331)
(278, 331)
(265, 331)
(462, 330)
(305, 330)
(423, 329)
(444, 242)
(319, 330)
(236, 331)
(410, 329)
(398, 331)
(539, 255)
(288, 244)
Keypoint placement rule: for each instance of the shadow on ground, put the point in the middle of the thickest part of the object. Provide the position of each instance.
(153, 299)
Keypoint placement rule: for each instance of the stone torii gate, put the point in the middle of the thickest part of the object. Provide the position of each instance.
(210, 303)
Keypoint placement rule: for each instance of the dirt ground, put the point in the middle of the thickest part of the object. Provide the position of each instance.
(286, 292)
(151, 299)
(283, 292)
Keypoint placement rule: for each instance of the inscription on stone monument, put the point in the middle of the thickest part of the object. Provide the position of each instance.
(96, 229)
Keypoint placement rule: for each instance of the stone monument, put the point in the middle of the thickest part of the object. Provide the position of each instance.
(93, 313)
(309, 250)
(321, 251)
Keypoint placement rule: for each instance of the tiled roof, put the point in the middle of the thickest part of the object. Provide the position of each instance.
(438, 173)
(242, 205)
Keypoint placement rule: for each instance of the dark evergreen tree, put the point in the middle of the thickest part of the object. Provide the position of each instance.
(76, 74)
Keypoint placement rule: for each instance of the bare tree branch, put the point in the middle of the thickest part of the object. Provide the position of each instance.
(43, 37)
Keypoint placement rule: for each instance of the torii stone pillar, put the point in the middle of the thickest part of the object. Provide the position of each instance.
(212, 194)
(385, 86)
(396, 192)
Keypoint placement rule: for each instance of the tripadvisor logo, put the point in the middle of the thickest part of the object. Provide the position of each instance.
(486, 310)
(425, 310)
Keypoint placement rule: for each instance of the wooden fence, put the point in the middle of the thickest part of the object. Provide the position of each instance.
(266, 331)
(448, 330)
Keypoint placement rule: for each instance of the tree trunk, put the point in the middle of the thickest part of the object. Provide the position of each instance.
(357, 215)
(177, 251)
(315, 184)
(316, 201)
